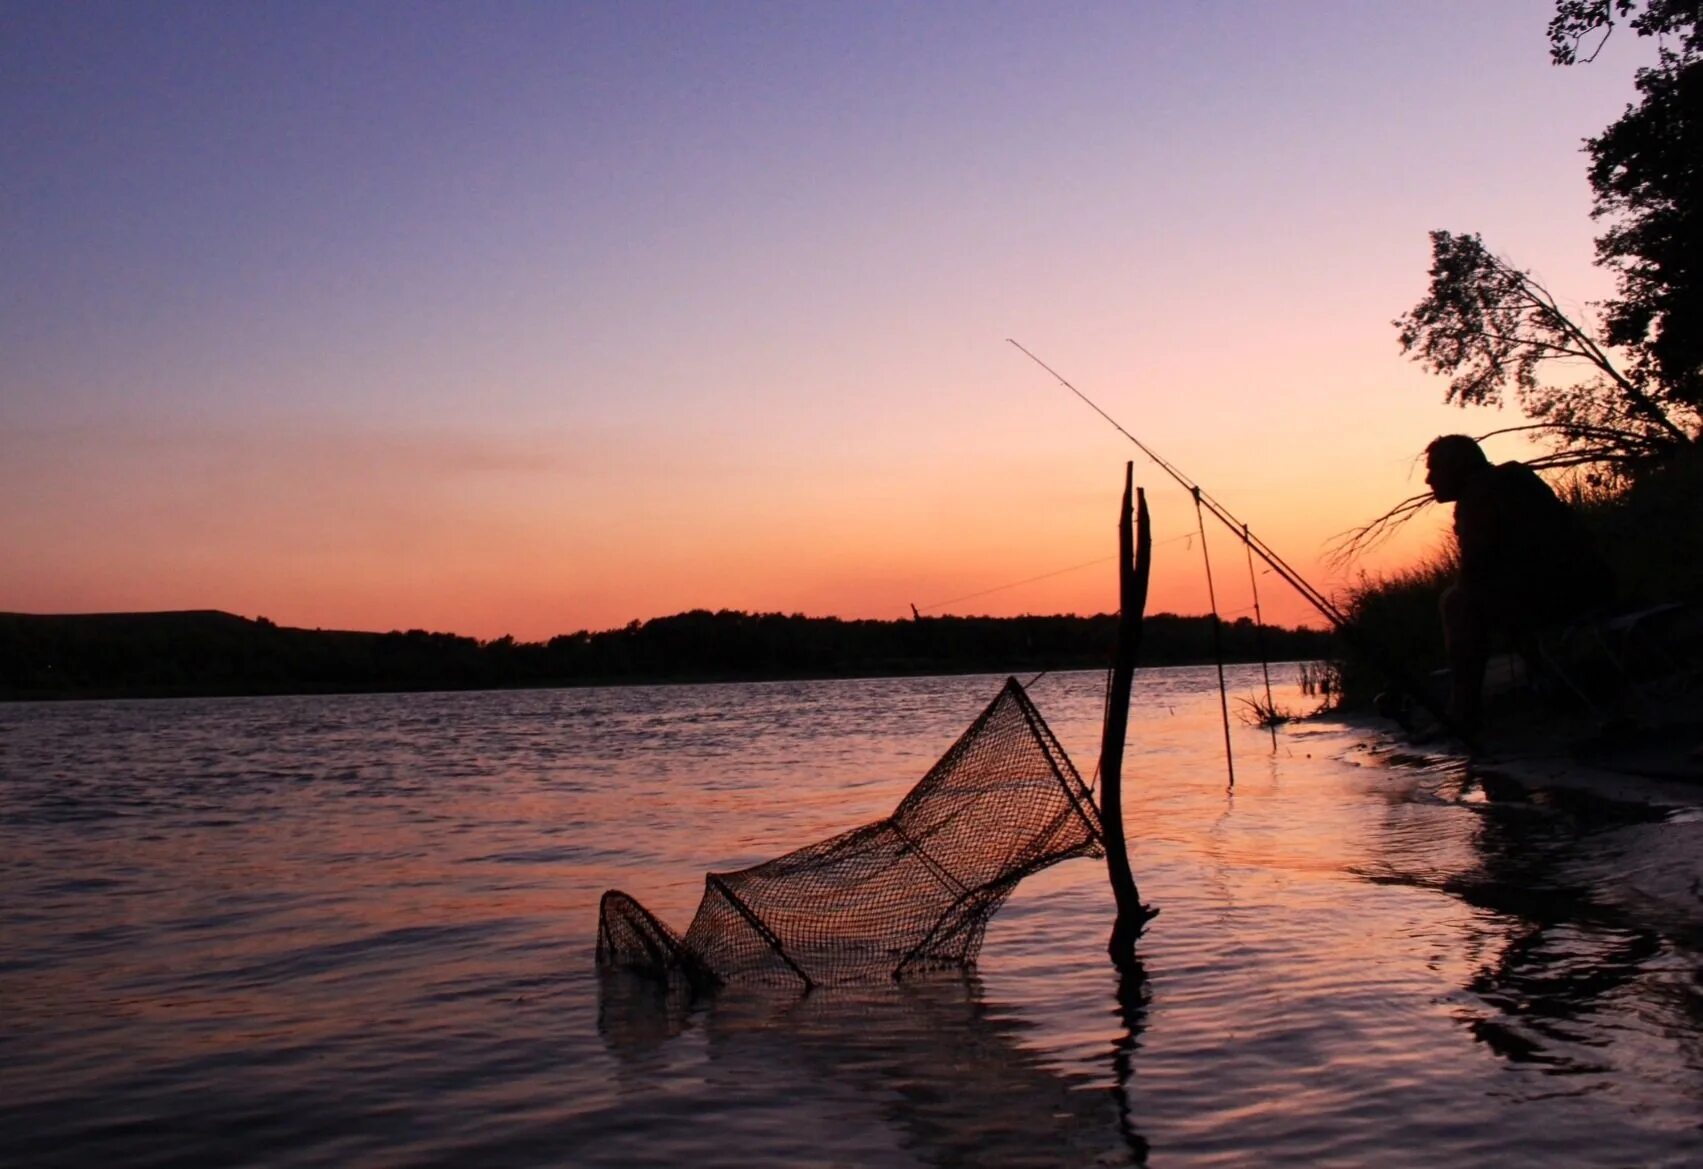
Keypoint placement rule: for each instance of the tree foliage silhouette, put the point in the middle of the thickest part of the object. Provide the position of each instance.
(218, 653)
(1637, 396)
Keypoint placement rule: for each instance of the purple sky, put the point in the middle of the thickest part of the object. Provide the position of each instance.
(529, 318)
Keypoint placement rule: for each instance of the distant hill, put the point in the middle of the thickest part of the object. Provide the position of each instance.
(199, 652)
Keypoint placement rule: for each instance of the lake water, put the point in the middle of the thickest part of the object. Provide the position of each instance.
(358, 930)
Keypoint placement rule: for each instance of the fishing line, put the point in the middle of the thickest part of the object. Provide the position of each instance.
(1014, 584)
(1259, 635)
(1105, 715)
(1217, 641)
(919, 609)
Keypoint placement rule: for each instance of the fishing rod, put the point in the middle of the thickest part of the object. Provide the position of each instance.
(1259, 547)
(1327, 608)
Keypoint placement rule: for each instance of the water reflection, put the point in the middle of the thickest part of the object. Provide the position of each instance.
(1134, 992)
(1568, 956)
(948, 1073)
(1546, 988)
(1564, 979)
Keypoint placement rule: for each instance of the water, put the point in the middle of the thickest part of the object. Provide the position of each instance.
(359, 930)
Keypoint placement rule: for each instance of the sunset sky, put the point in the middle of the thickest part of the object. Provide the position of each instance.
(506, 318)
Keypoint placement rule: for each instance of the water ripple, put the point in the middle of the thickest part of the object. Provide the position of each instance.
(323, 931)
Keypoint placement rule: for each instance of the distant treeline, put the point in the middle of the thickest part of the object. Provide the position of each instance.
(209, 652)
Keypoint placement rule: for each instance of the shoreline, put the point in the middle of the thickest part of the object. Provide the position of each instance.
(1639, 835)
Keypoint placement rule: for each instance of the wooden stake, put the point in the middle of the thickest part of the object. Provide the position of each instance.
(1132, 915)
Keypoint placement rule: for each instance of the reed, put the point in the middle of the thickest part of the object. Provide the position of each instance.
(1255, 711)
(1398, 613)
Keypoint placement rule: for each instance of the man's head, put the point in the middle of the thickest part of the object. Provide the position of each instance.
(1450, 461)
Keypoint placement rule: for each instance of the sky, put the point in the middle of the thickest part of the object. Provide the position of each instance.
(531, 318)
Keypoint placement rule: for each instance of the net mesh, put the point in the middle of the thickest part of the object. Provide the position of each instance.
(913, 890)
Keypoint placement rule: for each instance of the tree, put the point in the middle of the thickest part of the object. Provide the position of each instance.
(1577, 21)
(1492, 328)
(1646, 174)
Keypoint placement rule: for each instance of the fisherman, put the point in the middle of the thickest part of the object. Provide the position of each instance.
(1526, 564)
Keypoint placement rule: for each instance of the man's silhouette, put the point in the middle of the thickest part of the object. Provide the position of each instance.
(1526, 562)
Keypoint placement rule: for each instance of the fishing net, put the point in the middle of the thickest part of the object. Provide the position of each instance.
(913, 890)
